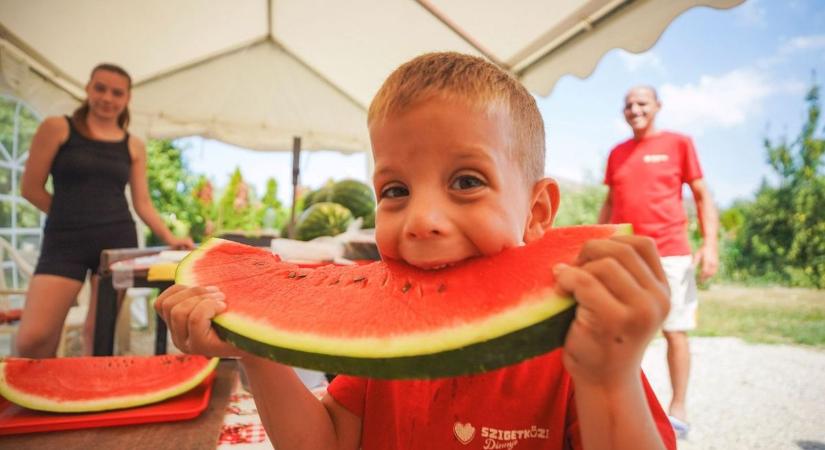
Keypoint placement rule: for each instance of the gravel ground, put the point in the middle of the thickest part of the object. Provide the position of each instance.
(748, 396)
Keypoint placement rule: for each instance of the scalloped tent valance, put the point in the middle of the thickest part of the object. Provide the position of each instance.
(256, 73)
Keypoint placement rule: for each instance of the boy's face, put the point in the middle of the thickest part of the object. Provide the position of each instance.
(447, 186)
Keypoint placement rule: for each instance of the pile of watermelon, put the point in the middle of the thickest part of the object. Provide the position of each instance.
(330, 209)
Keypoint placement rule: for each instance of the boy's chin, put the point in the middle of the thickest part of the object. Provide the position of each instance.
(437, 265)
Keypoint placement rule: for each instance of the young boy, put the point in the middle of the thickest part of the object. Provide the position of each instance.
(459, 165)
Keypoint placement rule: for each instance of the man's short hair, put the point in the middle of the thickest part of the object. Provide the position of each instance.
(647, 87)
(473, 80)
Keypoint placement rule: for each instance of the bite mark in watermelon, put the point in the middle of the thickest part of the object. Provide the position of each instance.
(98, 383)
(391, 320)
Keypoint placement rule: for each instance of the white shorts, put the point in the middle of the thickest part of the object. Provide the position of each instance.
(681, 277)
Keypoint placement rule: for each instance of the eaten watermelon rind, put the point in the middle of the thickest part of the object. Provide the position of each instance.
(41, 403)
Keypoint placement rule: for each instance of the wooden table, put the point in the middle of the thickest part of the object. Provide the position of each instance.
(201, 432)
(109, 298)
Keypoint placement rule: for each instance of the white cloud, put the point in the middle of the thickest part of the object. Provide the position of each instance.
(715, 101)
(802, 43)
(633, 62)
(791, 47)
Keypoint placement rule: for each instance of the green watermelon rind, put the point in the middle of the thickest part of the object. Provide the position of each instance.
(531, 311)
(495, 353)
(40, 403)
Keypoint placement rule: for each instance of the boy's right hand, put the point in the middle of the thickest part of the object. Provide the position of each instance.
(188, 313)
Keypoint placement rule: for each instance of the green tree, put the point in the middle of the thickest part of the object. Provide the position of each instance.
(782, 236)
(237, 210)
(580, 205)
(170, 187)
(271, 215)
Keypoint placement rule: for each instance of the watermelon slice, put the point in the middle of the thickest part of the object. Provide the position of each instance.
(100, 383)
(391, 320)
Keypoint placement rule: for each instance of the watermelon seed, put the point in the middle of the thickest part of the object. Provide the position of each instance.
(442, 287)
(357, 279)
(334, 282)
(406, 287)
(292, 274)
(301, 275)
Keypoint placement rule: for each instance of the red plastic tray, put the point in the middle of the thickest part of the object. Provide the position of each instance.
(18, 420)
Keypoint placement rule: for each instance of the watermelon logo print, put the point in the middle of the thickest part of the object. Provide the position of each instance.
(464, 432)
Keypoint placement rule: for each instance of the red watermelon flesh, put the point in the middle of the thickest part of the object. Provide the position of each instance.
(385, 310)
(100, 383)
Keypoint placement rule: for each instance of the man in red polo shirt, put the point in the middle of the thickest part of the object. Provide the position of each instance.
(645, 175)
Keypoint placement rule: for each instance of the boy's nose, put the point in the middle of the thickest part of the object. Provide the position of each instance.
(425, 221)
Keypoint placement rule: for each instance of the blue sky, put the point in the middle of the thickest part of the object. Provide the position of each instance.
(726, 78)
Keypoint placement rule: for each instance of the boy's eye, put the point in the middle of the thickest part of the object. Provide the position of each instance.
(99, 88)
(117, 93)
(394, 191)
(465, 182)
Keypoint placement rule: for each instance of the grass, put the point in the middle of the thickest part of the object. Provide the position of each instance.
(768, 315)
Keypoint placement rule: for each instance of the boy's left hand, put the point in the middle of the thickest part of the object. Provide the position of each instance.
(623, 298)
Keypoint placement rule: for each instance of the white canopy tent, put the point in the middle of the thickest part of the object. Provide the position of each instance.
(257, 73)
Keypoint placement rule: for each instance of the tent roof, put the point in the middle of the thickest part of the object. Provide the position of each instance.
(257, 72)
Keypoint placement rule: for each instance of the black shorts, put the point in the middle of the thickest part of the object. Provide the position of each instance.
(71, 253)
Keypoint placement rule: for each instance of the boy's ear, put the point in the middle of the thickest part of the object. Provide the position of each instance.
(543, 208)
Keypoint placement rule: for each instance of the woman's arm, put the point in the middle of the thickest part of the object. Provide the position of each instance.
(143, 202)
(48, 138)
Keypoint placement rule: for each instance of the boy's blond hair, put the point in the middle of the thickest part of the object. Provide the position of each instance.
(476, 81)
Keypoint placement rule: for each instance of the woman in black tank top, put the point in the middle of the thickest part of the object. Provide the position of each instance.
(91, 159)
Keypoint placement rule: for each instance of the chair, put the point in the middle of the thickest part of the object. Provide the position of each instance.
(25, 262)
(11, 299)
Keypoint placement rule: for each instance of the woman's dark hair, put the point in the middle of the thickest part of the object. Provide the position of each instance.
(79, 115)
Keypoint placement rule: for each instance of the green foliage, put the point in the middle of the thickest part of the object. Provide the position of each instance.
(239, 210)
(271, 214)
(235, 211)
(780, 236)
(580, 205)
(27, 124)
(170, 188)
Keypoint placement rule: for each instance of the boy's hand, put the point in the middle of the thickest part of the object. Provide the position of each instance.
(623, 298)
(187, 312)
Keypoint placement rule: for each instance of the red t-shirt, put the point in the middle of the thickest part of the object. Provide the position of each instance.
(526, 406)
(645, 179)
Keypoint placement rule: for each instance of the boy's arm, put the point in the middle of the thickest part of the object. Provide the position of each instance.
(292, 416)
(622, 299)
